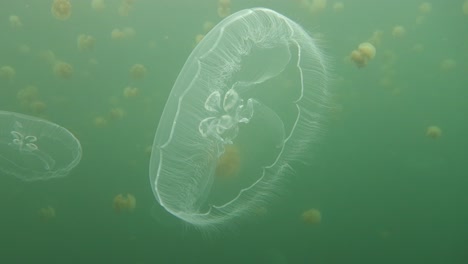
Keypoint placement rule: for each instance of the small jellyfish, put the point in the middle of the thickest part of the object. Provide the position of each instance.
(465, 8)
(116, 113)
(198, 38)
(85, 42)
(363, 54)
(312, 217)
(7, 73)
(138, 71)
(433, 132)
(124, 203)
(63, 70)
(425, 8)
(338, 7)
(448, 65)
(100, 121)
(317, 6)
(228, 163)
(398, 31)
(61, 9)
(15, 21)
(207, 26)
(376, 37)
(24, 49)
(46, 214)
(98, 5)
(224, 8)
(125, 7)
(130, 92)
(37, 107)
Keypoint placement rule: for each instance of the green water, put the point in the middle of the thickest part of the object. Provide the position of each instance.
(387, 192)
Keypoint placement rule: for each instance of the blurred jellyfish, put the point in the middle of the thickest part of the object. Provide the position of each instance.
(425, 8)
(61, 9)
(363, 54)
(317, 6)
(7, 73)
(465, 7)
(85, 42)
(116, 113)
(37, 107)
(138, 71)
(34, 149)
(124, 203)
(98, 5)
(398, 31)
(199, 38)
(207, 26)
(15, 21)
(224, 8)
(433, 132)
(130, 92)
(46, 213)
(24, 49)
(312, 217)
(376, 37)
(63, 70)
(125, 7)
(448, 65)
(27, 95)
(100, 121)
(120, 34)
(338, 7)
(228, 163)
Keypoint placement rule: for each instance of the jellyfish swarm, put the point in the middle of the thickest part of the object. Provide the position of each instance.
(248, 102)
(34, 149)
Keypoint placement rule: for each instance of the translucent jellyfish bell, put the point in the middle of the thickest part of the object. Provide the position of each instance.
(248, 102)
(35, 149)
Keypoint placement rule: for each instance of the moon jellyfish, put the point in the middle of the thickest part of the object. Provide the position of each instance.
(248, 102)
(35, 149)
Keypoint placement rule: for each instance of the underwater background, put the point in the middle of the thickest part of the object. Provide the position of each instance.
(388, 176)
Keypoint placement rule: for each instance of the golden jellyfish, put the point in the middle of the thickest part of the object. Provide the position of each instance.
(125, 7)
(425, 8)
(63, 70)
(27, 94)
(376, 37)
(98, 5)
(448, 65)
(138, 71)
(224, 8)
(338, 7)
(317, 6)
(433, 132)
(37, 107)
(48, 56)
(116, 113)
(207, 26)
(312, 217)
(465, 7)
(398, 31)
(7, 72)
(363, 54)
(130, 92)
(228, 163)
(61, 9)
(85, 42)
(100, 121)
(124, 203)
(199, 38)
(46, 213)
(15, 21)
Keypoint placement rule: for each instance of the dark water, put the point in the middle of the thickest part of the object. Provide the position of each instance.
(387, 192)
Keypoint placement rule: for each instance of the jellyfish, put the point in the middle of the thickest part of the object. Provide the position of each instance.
(33, 149)
(230, 116)
(85, 42)
(363, 54)
(130, 92)
(138, 71)
(63, 70)
(448, 65)
(338, 7)
(465, 7)
(15, 21)
(317, 6)
(100, 121)
(398, 31)
(46, 213)
(7, 72)
(433, 132)
(312, 216)
(425, 8)
(61, 9)
(124, 203)
(98, 5)
(224, 8)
